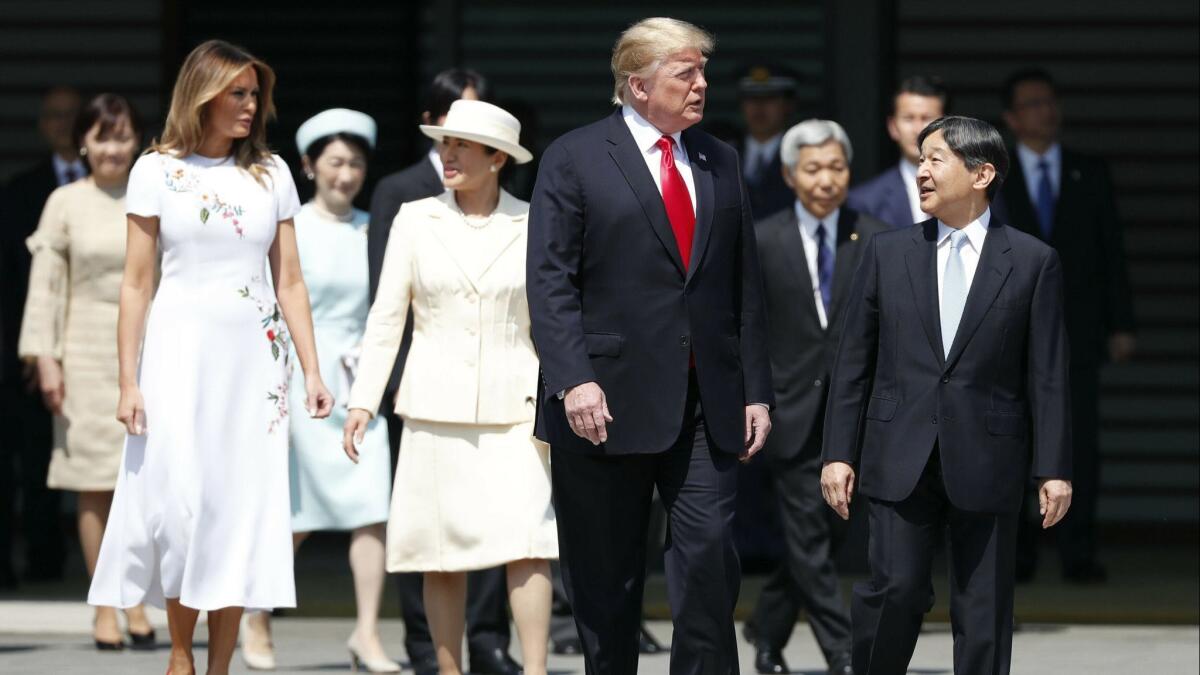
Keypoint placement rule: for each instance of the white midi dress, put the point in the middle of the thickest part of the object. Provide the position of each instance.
(201, 508)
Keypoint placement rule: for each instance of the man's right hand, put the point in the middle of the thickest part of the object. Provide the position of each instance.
(837, 486)
(587, 412)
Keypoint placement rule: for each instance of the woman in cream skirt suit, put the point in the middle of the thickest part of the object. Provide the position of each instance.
(472, 486)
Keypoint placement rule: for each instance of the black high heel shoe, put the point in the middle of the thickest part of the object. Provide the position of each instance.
(143, 642)
(103, 646)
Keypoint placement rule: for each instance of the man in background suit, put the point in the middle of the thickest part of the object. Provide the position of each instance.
(768, 100)
(646, 306)
(488, 633)
(808, 255)
(1065, 198)
(25, 456)
(892, 195)
(949, 386)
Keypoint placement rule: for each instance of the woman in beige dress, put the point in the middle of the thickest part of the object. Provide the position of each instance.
(472, 486)
(70, 332)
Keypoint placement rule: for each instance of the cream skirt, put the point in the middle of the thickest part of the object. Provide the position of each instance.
(469, 497)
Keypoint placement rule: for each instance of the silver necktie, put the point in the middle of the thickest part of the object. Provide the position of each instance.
(954, 290)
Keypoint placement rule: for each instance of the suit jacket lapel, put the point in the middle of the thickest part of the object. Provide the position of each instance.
(797, 262)
(500, 236)
(899, 198)
(629, 160)
(990, 275)
(845, 259)
(1018, 201)
(430, 179)
(1068, 193)
(703, 179)
(922, 276)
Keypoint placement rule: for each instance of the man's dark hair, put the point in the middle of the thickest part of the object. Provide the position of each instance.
(448, 86)
(975, 142)
(1022, 76)
(923, 85)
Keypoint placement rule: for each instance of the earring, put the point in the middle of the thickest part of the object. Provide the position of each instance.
(83, 152)
(493, 168)
(310, 175)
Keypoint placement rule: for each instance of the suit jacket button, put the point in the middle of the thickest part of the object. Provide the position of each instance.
(946, 380)
(684, 341)
(935, 419)
(817, 382)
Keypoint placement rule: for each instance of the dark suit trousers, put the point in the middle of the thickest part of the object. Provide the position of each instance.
(887, 610)
(603, 505)
(24, 461)
(807, 578)
(487, 596)
(1076, 534)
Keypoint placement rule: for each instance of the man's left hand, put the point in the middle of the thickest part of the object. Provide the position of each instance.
(1054, 498)
(758, 425)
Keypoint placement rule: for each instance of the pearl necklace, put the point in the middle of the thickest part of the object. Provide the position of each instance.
(467, 220)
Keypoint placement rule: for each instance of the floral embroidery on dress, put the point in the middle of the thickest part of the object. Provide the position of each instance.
(181, 179)
(229, 212)
(275, 331)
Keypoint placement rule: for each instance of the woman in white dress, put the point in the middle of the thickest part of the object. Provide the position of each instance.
(200, 517)
(329, 493)
(70, 332)
(472, 485)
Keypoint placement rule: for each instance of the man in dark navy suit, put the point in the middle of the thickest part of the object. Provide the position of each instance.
(892, 195)
(768, 100)
(25, 454)
(647, 312)
(1065, 198)
(949, 387)
(808, 255)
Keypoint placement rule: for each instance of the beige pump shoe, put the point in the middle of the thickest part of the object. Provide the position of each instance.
(257, 651)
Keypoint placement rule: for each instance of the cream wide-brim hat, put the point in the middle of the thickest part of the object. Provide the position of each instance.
(484, 123)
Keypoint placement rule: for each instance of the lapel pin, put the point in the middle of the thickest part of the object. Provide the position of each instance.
(853, 236)
(702, 157)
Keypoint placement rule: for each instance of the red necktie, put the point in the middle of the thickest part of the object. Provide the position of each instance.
(676, 199)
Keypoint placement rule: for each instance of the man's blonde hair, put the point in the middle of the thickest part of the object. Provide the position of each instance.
(644, 46)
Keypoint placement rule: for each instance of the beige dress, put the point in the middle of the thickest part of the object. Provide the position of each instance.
(71, 315)
(472, 486)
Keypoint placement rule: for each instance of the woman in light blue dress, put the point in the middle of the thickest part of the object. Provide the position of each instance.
(329, 493)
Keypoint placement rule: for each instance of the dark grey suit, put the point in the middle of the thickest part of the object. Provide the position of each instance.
(801, 357)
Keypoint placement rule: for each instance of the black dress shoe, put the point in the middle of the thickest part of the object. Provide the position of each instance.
(1088, 573)
(567, 646)
(109, 646)
(494, 662)
(425, 665)
(768, 660)
(143, 642)
(647, 643)
(840, 665)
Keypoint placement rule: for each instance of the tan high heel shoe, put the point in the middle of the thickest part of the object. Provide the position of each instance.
(357, 660)
(255, 657)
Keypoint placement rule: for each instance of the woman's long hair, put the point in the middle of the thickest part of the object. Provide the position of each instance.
(206, 72)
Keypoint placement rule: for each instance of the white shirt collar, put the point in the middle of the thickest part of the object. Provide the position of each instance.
(61, 166)
(645, 135)
(1029, 158)
(436, 159)
(976, 231)
(768, 148)
(809, 222)
(908, 171)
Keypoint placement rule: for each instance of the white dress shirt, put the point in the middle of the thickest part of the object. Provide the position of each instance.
(61, 166)
(908, 172)
(808, 235)
(758, 155)
(646, 137)
(435, 158)
(1033, 175)
(976, 233)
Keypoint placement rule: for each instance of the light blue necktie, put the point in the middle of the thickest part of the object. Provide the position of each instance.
(954, 290)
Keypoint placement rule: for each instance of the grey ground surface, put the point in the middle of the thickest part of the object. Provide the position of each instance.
(316, 646)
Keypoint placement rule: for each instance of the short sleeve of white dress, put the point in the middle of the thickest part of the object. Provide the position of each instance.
(287, 203)
(142, 197)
